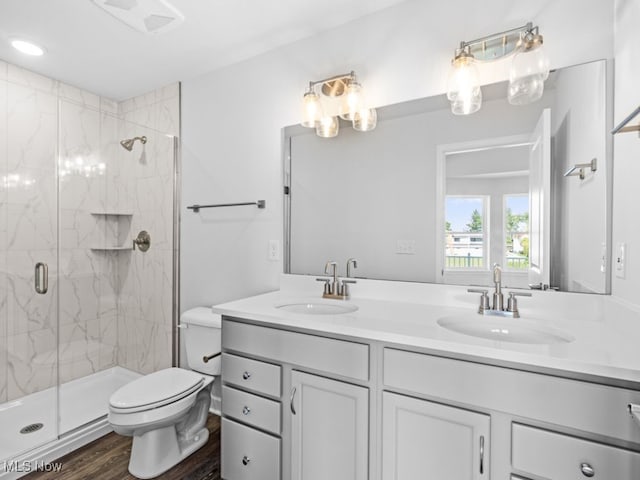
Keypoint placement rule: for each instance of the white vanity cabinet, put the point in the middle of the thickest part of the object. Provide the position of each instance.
(424, 439)
(300, 405)
(302, 398)
(251, 420)
(542, 426)
(330, 429)
(551, 455)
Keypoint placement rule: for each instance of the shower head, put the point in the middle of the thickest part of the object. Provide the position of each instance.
(128, 144)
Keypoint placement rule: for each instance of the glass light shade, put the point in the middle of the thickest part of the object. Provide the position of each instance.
(311, 110)
(365, 120)
(463, 86)
(352, 102)
(529, 70)
(328, 127)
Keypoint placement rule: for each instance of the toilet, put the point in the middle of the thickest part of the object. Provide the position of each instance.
(166, 411)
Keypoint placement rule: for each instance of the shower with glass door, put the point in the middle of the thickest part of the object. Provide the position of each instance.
(77, 316)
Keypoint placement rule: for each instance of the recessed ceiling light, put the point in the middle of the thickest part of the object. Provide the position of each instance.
(27, 48)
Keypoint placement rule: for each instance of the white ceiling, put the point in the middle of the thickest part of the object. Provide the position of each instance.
(89, 48)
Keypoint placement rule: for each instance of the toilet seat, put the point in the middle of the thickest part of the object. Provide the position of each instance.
(156, 390)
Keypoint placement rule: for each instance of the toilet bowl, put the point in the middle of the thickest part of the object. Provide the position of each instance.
(166, 411)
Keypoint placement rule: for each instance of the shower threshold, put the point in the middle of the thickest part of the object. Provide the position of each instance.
(82, 402)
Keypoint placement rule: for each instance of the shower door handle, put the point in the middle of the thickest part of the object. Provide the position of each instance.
(41, 278)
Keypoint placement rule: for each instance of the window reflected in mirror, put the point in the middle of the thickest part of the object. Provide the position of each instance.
(464, 232)
(516, 232)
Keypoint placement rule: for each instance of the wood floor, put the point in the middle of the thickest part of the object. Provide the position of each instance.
(108, 457)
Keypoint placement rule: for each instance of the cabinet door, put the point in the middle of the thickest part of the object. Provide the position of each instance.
(425, 440)
(330, 429)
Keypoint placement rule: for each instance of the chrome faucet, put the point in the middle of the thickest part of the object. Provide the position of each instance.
(346, 281)
(335, 287)
(334, 274)
(351, 261)
(497, 306)
(498, 298)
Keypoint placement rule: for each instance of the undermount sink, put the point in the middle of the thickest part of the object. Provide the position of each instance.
(317, 308)
(514, 330)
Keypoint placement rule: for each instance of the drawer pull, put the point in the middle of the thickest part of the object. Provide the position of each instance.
(293, 395)
(481, 454)
(246, 376)
(246, 410)
(245, 460)
(587, 470)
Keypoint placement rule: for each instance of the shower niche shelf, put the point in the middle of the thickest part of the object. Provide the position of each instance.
(112, 213)
(113, 230)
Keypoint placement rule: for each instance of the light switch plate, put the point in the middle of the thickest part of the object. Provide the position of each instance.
(274, 250)
(406, 247)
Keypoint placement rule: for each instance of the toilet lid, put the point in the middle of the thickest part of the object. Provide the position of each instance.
(157, 389)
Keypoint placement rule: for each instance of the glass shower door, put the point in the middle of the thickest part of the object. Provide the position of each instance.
(28, 266)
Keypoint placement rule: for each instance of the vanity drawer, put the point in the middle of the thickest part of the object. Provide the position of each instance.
(575, 404)
(251, 374)
(248, 408)
(556, 456)
(329, 355)
(248, 454)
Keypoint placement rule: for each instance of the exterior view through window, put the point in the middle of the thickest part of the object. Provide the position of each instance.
(516, 232)
(465, 246)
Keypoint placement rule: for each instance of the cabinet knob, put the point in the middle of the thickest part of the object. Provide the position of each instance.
(587, 470)
(246, 375)
(246, 410)
(245, 460)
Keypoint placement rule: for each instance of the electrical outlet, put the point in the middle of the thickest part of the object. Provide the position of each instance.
(406, 247)
(620, 256)
(274, 250)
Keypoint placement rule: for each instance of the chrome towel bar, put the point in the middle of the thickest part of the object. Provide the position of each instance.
(621, 127)
(196, 208)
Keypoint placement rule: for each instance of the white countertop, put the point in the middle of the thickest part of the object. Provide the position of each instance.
(606, 343)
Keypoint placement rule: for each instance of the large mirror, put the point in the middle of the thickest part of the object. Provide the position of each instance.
(433, 197)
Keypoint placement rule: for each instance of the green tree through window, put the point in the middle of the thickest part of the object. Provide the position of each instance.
(475, 225)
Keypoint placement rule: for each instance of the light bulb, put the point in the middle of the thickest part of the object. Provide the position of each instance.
(353, 100)
(463, 90)
(328, 127)
(311, 109)
(529, 70)
(365, 120)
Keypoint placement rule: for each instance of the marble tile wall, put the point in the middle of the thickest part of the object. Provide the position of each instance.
(114, 305)
(87, 163)
(145, 308)
(4, 211)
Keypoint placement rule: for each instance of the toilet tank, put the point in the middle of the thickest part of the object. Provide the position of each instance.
(202, 333)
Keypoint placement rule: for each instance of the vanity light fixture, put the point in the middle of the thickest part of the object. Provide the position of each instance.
(463, 85)
(338, 96)
(528, 72)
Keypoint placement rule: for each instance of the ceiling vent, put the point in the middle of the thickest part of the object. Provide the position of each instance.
(146, 16)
